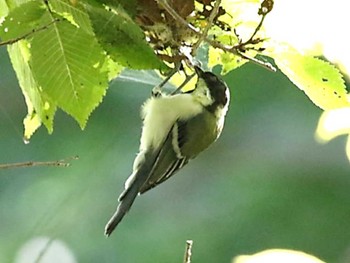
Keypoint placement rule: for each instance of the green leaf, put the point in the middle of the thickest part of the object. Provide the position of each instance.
(67, 63)
(320, 80)
(22, 20)
(75, 13)
(40, 108)
(123, 39)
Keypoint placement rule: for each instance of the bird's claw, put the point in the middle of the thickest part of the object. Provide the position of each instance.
(157, 92)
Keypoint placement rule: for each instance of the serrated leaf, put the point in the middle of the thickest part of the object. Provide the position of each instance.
(67, 64)
(123, 39)
(75, 13)
(38, 104)
(320, 80)
(22, 20)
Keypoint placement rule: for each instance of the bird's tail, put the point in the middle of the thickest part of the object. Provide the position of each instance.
(142, 169)
(126, 200)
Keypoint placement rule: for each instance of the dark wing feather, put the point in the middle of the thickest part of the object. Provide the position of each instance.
(168, 161)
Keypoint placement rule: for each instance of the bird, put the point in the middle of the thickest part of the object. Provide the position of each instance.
(176, 128)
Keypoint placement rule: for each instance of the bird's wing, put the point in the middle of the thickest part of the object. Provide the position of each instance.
(185, 140)
(169, 159)
(154, 167)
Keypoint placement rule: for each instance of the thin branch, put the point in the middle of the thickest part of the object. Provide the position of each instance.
(14, 40)
(157, 90)
(176, 16)
(58, 163)
(250, 40)
(188, 78)
(44, 250)
(258, 62)
(188, 251)
(204, 34)
(231, 49)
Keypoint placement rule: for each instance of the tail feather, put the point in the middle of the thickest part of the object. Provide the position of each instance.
(126, 201)
(145, 165)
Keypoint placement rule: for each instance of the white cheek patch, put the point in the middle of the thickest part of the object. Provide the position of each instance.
(202, 93)
(220, 112)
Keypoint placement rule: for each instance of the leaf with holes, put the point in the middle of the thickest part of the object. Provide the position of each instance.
(123, 39)
(68, 65)
(320, 80)
(40, 108)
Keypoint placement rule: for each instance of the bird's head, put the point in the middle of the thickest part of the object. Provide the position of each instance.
(212, 91)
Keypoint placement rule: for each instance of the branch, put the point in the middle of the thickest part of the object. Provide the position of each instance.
(265, 8)
(14, 40)
(59, 163)
(44, 250)
(211, 18)
(187, 79)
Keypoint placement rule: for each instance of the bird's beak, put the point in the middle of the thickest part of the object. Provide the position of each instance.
(199, 71)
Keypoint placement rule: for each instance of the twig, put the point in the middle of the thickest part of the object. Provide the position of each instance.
(204, 34)
(176, 16)
(231, 49)
(157, 90)
(258, 62)
(59, 163)
(14, 40)
(44, 250)
(250, 40)
(188, 78)
(188, 251)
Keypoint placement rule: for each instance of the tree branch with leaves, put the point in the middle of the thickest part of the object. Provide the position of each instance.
(65, 52)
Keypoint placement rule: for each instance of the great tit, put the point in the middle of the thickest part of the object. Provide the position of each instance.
(176, 128)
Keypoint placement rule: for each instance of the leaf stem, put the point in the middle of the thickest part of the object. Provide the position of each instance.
(14, 40)
(204, 34)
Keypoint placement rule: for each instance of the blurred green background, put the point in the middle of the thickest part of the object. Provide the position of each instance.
(265, 184)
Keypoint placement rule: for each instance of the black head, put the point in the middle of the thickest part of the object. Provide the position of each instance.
(217, 87)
